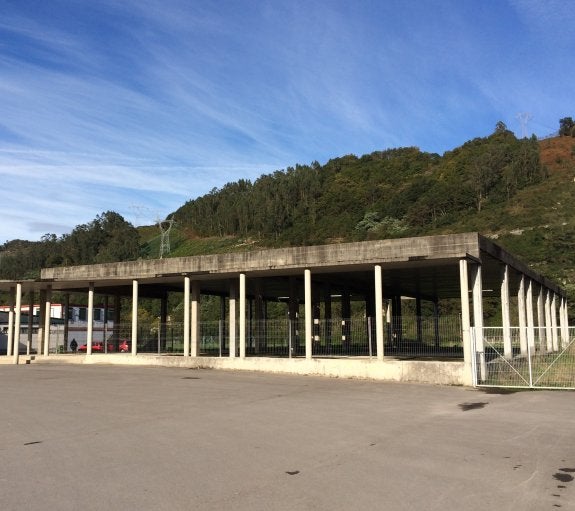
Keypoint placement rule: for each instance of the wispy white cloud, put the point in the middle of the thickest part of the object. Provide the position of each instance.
(109, 104)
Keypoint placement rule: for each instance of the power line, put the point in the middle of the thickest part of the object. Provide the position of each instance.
(524, 118)
(165, 228)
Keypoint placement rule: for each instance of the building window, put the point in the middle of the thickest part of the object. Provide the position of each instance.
(82, 314)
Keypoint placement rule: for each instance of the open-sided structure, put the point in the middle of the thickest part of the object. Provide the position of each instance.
(343, 306)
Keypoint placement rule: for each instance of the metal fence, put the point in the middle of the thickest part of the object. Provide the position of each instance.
(434, 337)
(355, 337)
(527, 358)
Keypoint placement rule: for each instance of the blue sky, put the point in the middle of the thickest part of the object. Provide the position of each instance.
(139, 105)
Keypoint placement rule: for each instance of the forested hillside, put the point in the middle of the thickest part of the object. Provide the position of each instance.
(517, 191)
(390, 193)
(107, 238)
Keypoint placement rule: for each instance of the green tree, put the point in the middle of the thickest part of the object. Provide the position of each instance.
(566, 125)
(500, 127)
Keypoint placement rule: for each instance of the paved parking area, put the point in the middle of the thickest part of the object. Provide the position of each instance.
(123, 438)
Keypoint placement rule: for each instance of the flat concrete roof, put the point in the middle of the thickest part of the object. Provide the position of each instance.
(426, 266)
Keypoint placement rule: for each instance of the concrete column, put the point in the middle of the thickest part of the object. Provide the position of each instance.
(396, 320)
(222, 325)
(505, 315)
(195, 319)
(548, 327)
(249, 322)
(47, 314)
(554, 322)
(41, 318)
(242, 325)
(90, 319)
(522, 316)
(294, 314)
(541, 320)
(327, 317)
(436, 322)
(65, 317)
(530, 317)
(567, 319)
(418, 319)
(232, 301)
(17, 318)
(186, 316)
(477, 293)
(265, 324)
(134, 317)
(316, 316)
(564, 322)
(308, 314)
(258, 327)
(117, 320)
(31, 326)
(465, 323)
(345, 320)
(106, 337)
(10, 339)
(379, 311)
(163, 321)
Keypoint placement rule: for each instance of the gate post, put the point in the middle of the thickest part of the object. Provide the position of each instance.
(541, 320)
(505, 317)
(308, 314)
(478, 317)
(564, 321)
(548, 330)
(468, 377)
(186, 316)
(530, 316)
(554, 322)
(134, 335)
(378, 312)
(522, 316)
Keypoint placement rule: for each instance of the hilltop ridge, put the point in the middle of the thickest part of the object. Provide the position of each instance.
(516, 191)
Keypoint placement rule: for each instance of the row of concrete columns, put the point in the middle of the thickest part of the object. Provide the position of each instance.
(15, 319)
(470, 274)
(237, 299)
(237, 326)
(548, 305)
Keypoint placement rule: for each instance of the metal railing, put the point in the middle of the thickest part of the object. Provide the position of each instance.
(423, 336)
(353, 337)
(525, 358)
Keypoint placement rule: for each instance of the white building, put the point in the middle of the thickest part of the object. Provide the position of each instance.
(76, 328)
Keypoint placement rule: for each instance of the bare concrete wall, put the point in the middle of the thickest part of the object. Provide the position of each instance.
(434, 372)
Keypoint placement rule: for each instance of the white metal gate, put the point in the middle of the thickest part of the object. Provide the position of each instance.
(524, 357)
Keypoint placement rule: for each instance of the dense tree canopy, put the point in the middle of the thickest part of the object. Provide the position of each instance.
(107, 238)
(567, 126)
(383, 194)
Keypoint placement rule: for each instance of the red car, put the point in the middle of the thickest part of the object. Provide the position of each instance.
(97, 347)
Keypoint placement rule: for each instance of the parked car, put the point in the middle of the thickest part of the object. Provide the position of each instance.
(97, 347)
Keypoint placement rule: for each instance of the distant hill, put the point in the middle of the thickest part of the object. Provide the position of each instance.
(517, 192)
(405, 192)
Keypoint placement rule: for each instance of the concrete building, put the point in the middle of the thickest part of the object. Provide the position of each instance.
(345, 307)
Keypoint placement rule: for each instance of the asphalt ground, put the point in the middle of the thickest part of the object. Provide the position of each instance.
(133, 438)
